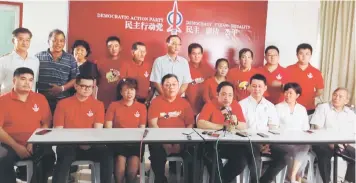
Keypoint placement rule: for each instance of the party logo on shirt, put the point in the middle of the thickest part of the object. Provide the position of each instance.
(197, 81)
(146, 74)
(279, 77)
(35, 108)
(137, 114)
(310, 75)
(113, 75)
(243, 85)
(172, 114)
(90, 113)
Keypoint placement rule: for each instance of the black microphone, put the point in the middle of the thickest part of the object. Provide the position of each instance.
(227, 115)
(145, 133)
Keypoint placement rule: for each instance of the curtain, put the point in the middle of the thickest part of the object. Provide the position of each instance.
(338, 51)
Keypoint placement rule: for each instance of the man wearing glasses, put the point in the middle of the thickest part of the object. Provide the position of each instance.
(81, 111)
(171, 63)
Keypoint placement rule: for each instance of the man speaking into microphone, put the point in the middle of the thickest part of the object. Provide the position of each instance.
(223, 113)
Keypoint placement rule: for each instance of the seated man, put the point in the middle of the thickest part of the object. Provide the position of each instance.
(214, 115)
(81, 111)
(167, 111)
(21, 113)
(260, 114)
(335, 115)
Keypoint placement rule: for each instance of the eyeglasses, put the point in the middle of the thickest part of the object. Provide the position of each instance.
(87, 87)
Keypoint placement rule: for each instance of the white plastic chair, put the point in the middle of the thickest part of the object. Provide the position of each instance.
(244, 177)
(95, 169)
(29, 168)
(179, 163)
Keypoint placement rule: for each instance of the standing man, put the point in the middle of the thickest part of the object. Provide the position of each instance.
(140, 70)
(22, 111)
(19, 57)
(168, 111)
(275, 74)
(171, 63)
(335, 116)
(109, 72)
(194, 93)
(58, 70)
(241, 75)
(307, 76)
(81, 111)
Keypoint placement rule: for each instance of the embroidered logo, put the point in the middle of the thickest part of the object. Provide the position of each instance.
(198, 80)
(137, 114)
(90, 113)
(172, 114)
(35, 108)
(146, 74)
(113, 75)
(310, 75)
(279, 77)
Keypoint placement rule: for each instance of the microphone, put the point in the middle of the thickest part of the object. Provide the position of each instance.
(145, 133)
(228, 113)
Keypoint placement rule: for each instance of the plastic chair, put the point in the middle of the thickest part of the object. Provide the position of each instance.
(29, 168)
(179, 162)
(95, 169)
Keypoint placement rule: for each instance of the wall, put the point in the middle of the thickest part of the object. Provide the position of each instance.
(288, 24)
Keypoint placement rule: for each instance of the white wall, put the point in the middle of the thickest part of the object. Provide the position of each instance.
(288, 24)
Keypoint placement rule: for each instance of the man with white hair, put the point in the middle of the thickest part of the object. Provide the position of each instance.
(335, 115)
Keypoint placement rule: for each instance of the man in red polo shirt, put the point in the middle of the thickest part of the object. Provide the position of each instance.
(194, 92)
(307, 76)
(221, 113)
(81, 111)
(140, 70)
(167, 111)
(240, 76)
(21, 113)
(275, 74)
(109, 71)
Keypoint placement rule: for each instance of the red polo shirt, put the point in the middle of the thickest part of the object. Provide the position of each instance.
(176, 114)
(20, 119)
(236, 76)
(123, 116)
(274, 94)
(107, 81)
(310, 79)
(141, 73)
(210, 87)
(194, 92)
(72, 113)
(212, 112)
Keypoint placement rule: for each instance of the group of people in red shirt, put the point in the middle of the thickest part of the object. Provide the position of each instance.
(170, 93)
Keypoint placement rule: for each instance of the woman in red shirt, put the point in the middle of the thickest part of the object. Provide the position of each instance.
(126, 113)
(210, 85)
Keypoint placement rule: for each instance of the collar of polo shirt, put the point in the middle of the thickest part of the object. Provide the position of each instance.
(170, 58)
(345, 109)
(263, 100)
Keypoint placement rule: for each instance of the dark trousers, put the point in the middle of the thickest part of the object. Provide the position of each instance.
(231, 169)
(324, 154)
(279, 161)
(66, 155)
(158, 157)
(43, 160)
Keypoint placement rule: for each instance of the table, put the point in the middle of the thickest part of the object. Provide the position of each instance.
(88, 136)
(119, 135)
(285, 137)
(176, 135)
